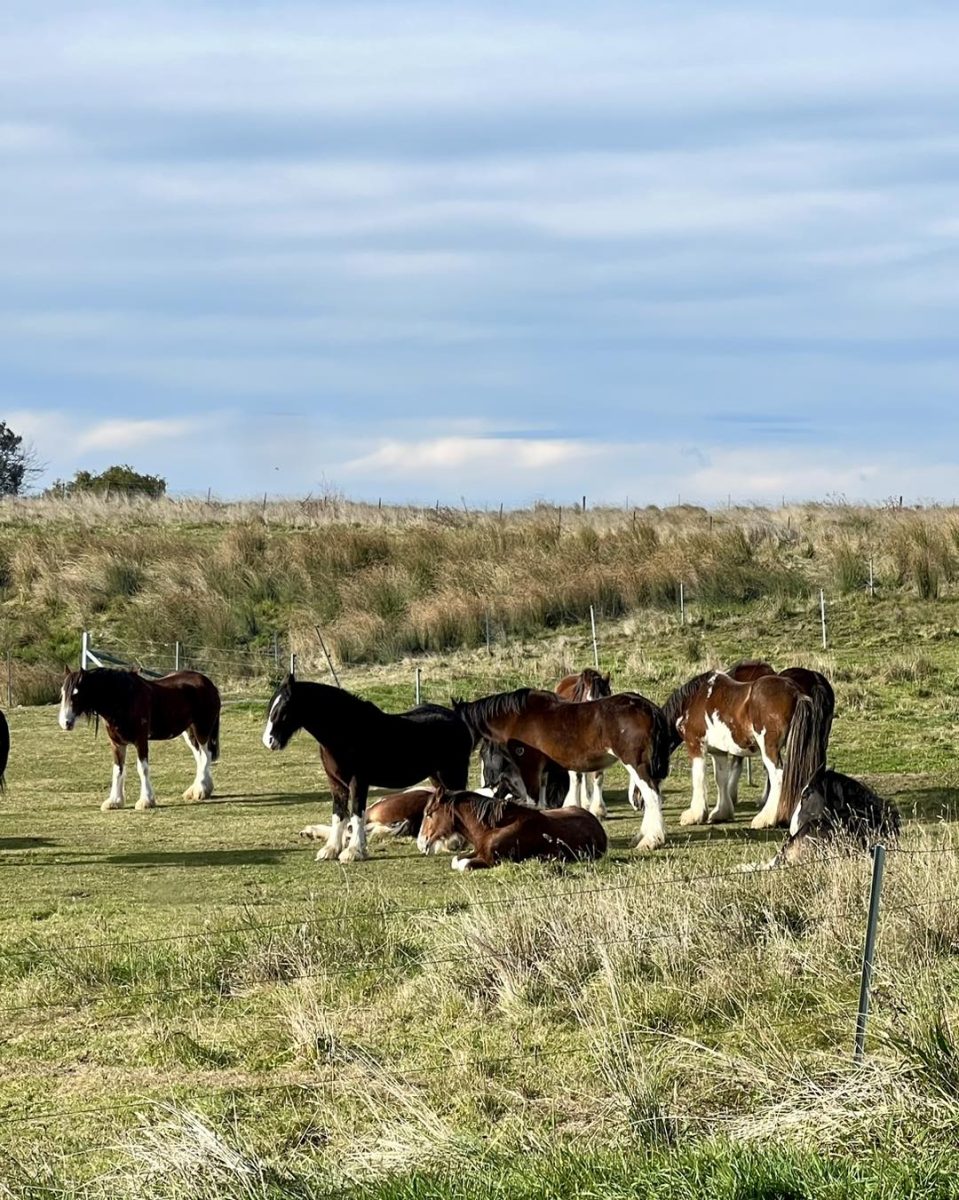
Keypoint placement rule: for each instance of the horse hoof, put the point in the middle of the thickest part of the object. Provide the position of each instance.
(690, 818)
(110, 805)
(353, 854)
(327, 853)
(145, 802)
(650, 843)
(760, 821)
(599, 812)
(197, 793)
(316, 833)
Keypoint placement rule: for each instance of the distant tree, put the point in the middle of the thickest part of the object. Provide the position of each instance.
(18, 463)
(122, 479)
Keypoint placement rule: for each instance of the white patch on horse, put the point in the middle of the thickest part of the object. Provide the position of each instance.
(66, 717)
(696, 813)
(147, 799)
(459, 864)
(719, 736)
(115, 799)
(356, 847)
(202, 786)
(652, 832)
(335, 841)
(766, 817)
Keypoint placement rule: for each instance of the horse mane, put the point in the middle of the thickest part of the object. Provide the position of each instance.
(591, 682)
(487, 809)
(478, 713)
(679, 701)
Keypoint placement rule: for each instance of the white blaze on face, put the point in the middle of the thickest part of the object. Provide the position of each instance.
(67, 717)
(268, 739)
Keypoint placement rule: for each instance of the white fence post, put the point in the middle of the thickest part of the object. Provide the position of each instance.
(84, 650)
(176, 656)
(293, 665)
(592, 621)
(682, 604)
(872, 581)
(822, 610)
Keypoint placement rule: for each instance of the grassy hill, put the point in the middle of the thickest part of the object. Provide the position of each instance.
(193, 1007)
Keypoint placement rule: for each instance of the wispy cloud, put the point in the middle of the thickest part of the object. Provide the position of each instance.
(130, 434)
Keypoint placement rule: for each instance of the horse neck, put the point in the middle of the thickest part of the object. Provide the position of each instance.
(321, 710)
(109, 694)
(467, 822)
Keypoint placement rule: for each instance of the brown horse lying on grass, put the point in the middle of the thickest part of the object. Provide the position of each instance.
(399, 814)
(501, 831)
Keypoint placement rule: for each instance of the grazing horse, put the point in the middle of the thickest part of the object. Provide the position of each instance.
(587, 685)
(398, 814)
(361, 747)
(836, 807)
(583, 737)
(501, 831)
(138, 711)
(518, 779)
(812, 684)
(715, 714)
(4, 750)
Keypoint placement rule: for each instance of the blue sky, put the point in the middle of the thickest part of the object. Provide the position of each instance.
(497, 251)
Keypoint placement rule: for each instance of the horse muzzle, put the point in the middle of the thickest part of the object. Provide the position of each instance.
(425, 846)
(67, 721)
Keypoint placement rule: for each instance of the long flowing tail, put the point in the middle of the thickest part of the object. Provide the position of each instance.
(4, 749)
(661, 746)
(213, 745)
(802, 754)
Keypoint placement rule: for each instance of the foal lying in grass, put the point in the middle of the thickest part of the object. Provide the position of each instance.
(500, 830)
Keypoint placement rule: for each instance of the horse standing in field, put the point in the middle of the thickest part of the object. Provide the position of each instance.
(4, 750)
(715, 714)
(583, 737)
(832, 809)
(361, 747)
(587, 685)
(500, 831)
(138, 711)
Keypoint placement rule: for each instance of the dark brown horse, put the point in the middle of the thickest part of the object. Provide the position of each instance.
(501, 831)
(138, 711)
(583, 737)
(518, 779)
(718, 715)
(398, 814)
(4, 750)
(362, 747)
(587, 685)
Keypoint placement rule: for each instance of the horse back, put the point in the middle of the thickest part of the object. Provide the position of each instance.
(178, 701)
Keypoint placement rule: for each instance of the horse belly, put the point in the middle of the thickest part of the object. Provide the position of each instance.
(724, 739)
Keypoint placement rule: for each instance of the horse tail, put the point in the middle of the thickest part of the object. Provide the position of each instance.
(213, 745)
(824, 705)
(4, 749)
(802, 755)
(661, 744)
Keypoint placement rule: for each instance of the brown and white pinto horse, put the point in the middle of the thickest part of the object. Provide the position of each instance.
(583, 737)
(587, 685)
(713, 713)
(501, 831)
(138, 711)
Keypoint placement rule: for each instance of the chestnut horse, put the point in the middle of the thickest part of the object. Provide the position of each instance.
(812, 684)
(362, 746)
(715, 714)
(398, 814)
(501, 831)
(587, 685)
(138, 711)
(583, 737)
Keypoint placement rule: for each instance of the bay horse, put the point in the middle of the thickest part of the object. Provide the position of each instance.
(501, 831)
(713, 713)
(582, 737)
(813, 684)
(398, 814)
(4, 751)
(138, 711)
(587, 685)
(835, 808)
(361, 747)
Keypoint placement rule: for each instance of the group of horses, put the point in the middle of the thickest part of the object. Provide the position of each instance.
(542, 757)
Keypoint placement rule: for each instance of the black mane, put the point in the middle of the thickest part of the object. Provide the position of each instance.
(478, 713)
(678, 702)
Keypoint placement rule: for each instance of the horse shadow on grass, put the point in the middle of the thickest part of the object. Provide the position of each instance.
(928, 803)
(25, 843)
(201, 858)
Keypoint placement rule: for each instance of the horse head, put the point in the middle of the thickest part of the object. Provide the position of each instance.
(282, 720)
(75, 698)
(812, 803)
(438, 822)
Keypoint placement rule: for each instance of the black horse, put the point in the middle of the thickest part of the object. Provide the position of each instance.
(503, 775)
(362, 747)
(4, 750)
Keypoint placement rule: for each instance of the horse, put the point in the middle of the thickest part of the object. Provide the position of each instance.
(501, 831)
(398, 814)
(836, 808)
(361, 747)
(587, 685)
(518, 779)
(4, 751)
(715, 714)
(812, 684)
(582, 737)
(138, 711)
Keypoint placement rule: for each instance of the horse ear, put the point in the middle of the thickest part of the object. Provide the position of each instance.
(439, 793)
(66, 671)
(290, 679)
(606, 679)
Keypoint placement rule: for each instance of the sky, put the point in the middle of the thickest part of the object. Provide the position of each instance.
(485, 251)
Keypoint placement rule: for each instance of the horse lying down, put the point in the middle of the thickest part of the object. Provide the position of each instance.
(834, 808)
(502, 831)
(399, 814)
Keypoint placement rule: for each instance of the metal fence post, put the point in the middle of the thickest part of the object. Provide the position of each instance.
(592, 621)
(176, 656)
(417, 685)
(682, 604)
(822, 610)
(878, 861)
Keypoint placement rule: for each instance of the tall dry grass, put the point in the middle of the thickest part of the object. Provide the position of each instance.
(387, 582)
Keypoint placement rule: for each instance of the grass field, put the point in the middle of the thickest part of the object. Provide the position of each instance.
(193, 1007)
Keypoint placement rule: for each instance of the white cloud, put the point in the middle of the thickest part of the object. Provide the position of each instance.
(129, 434)
(407, 459)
